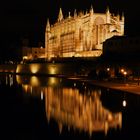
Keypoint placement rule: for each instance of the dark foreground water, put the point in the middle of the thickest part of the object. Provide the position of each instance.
(37, 108)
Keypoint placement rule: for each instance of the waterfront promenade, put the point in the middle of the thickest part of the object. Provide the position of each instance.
(131, 86)
(128, 86)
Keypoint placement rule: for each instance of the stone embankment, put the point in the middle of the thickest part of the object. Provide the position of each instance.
(53, 69)
(8, 68)
(68, 70)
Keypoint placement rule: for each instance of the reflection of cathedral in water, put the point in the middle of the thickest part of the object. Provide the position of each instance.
(86, 113)
(69, 107)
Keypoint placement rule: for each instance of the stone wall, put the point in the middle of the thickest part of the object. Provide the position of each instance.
(10, 68)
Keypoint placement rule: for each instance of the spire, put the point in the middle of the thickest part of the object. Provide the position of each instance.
(108, 18)
(69, 15)
(75, 13)
(107, 10)
(91, 10)
(60, 16)
(48, 25)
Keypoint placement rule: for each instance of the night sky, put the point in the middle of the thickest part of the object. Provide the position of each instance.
(27, 18)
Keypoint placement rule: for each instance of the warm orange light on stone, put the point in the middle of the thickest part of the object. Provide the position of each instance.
(81, 35)
(34, 68)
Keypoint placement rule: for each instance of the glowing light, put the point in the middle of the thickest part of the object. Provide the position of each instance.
(52, 70)
(25, 57)
(125, 73)
(18, 68)
(25, 87)
(108, 69)
(18, 79)
(34, 68)
(110, 118)
(124, 103)
(34, 81)
(122, 70)
(52, 81)
(41, 95)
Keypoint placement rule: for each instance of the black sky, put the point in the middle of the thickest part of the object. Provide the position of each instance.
(27, 18)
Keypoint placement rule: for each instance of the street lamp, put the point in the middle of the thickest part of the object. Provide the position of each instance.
(108, 69)
(122, 70)
(125, 73)
(124, 103)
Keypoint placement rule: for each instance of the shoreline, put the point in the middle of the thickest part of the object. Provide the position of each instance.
(129, 86)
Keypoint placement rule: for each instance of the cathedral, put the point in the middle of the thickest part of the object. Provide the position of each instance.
(81, 34)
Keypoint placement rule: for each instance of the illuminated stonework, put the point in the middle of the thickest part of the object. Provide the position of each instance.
(81, 35)
(32, 53)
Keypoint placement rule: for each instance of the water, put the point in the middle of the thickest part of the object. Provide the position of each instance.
(54, 108)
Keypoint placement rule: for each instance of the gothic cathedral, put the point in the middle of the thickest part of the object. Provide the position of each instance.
(81, 35)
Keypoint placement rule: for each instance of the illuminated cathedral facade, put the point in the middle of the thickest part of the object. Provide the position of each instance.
(81, 35)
